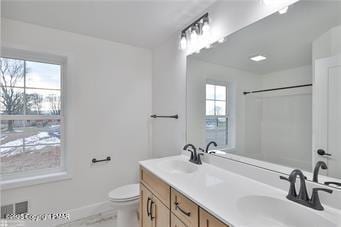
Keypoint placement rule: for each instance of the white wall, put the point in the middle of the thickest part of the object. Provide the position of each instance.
(198, 72)
(108, 103)
(286, 118)
(169, 70)
(327, 44)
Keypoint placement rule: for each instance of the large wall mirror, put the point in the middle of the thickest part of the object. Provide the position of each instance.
(270, 94)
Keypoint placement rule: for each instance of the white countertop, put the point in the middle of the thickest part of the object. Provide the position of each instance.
(219, 191)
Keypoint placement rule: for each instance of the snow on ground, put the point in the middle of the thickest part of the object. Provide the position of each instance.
(35, 142)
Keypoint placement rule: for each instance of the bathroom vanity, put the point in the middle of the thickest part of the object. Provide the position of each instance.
(177, 193)
(163, 206)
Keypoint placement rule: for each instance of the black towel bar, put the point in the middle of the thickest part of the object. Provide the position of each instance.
(160, 116)
(94, 160)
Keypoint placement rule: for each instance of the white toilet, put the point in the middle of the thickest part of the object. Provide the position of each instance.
(125, 200)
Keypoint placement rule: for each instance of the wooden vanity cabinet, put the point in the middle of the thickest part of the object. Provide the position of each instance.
(186, 210)
(175, 222)
(207, 220)
(154, 193)
(163, 206)
(146, 196)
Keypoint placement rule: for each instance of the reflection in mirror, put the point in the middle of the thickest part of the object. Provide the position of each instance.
(254, 93)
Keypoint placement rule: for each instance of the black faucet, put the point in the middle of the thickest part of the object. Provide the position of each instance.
(318, 165)
(208, 146)
(302, 197)
(195, 157)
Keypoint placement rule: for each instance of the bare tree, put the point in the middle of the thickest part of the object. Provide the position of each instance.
(55, 104)
(12, 99)
(34, 103)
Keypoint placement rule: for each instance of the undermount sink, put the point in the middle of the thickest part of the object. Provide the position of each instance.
(263, 211)
(178, 166)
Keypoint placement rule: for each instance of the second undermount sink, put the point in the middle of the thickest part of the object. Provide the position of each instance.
(178, 166)
(268, 211)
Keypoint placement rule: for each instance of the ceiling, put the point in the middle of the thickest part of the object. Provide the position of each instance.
(139, 23)
(286, 40)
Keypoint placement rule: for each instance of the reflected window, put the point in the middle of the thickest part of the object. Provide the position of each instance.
(216, 119)
(31, 117)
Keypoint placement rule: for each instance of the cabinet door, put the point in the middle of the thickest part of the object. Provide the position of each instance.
(207, 220)
(175, 222)
(145, 207)
(160, 213)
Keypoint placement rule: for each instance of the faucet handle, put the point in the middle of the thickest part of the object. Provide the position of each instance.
(201, 149)
(284, 178)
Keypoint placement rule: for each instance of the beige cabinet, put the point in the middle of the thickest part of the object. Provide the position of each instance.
(175, 222)
(186, 210)
(207, 220)
(159, 213)
(146, 196)
(163, 206)
(153, 213)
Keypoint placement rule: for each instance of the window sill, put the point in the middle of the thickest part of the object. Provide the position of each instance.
(29, 181)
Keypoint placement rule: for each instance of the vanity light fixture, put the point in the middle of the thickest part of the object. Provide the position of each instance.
(258, 58)
(183, 41)
(284, 10)
(196, 35)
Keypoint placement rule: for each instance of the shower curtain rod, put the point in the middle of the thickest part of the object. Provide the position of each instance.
(275, 89)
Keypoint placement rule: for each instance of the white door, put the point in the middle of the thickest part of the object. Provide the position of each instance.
(327, 114)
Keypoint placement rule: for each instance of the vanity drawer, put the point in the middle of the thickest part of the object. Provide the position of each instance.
(184, 209)
(156, 186)
(175, 222)
(207, 220)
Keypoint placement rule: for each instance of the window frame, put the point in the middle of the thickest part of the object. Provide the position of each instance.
(41, 175)
(228, 111)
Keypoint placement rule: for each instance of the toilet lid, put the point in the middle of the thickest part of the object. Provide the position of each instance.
(125, 193)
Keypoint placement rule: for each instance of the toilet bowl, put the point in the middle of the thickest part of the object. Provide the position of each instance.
(125, 200)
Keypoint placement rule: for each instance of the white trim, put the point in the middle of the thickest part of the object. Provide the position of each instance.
(33, 180)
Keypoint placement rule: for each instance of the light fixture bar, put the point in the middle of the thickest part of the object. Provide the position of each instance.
(195, 22)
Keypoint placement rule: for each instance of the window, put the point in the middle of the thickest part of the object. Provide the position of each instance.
(216, 121)
(31, 118)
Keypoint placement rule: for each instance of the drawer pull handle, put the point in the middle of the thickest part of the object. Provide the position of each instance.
(177, 207)
(148, 208)
(151, 210)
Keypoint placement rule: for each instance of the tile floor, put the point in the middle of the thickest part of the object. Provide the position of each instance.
(99, 220)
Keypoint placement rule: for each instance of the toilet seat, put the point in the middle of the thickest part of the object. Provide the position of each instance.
(126, 193)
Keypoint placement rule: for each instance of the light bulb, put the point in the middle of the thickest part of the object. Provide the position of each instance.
(194, 34)
(183, 42)
(205, 26)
